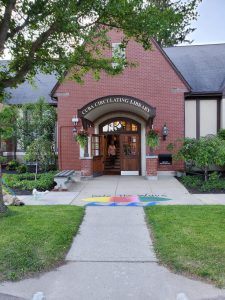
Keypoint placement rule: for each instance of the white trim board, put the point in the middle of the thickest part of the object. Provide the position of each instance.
(129, 172)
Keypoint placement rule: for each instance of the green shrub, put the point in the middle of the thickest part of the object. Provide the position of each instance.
(221, 134)
(191, 181)
(214, 183)
(12, 165)
(21, 169)
(26, 181)
(197, 182)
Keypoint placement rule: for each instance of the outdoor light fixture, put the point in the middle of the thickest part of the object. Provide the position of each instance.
(165, 132)
(75, 120)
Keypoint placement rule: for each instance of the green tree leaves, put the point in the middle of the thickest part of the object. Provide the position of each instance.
(203, 153)
(36, 120)
(55, 36)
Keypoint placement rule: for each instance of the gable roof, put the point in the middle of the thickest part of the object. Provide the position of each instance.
(203, 66)
(176, 70)
(27, 93)
(30, 93)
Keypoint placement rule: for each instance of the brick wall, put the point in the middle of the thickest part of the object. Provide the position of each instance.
(86, 167)
(154, 81)
(151, 166)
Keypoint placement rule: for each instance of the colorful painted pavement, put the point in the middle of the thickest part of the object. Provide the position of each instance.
(125, 200)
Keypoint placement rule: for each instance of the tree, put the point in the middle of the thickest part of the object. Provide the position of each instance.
(40, 152)
(210, 151)
(7, 130)
(202, 153)
(55, 36)
(36, 120)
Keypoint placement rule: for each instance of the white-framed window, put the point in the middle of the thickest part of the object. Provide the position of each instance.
(118, 54)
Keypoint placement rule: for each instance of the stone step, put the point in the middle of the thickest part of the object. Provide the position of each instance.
(110, 168)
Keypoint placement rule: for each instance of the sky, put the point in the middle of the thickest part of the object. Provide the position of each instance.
(210, 25)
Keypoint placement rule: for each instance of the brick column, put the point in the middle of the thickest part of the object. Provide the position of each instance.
(86, 167)
(152, 167)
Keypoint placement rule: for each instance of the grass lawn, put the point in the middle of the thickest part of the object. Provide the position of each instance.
(190, 239)
(36, 238)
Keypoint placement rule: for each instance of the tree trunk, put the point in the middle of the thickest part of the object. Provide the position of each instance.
(36, 170)
(3, 207)
(206, 174)
(14, 147)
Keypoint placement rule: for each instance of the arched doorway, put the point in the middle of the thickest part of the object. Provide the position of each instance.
(117, 108)
(124, 133)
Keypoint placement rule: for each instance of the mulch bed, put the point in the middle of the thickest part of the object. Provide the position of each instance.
(196, 190)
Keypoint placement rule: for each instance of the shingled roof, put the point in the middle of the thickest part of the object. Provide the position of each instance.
(30, 93)
(202, 66)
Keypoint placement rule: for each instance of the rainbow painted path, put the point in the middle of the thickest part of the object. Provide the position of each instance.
(136, 200)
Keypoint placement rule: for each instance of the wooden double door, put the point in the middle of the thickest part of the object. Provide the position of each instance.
(128, 156)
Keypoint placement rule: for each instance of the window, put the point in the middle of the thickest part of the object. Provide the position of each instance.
(118, 54)
(95, 145)
(120, 126)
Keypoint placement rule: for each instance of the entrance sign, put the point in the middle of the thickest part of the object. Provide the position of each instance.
(109, 100)
(124, 100)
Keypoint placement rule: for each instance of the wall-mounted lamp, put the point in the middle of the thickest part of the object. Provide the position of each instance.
(75, 120)
(165, 131)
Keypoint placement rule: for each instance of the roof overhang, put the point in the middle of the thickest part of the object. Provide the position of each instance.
(193, 95)
(116, 103)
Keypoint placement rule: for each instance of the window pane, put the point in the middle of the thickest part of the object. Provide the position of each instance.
(119, 125)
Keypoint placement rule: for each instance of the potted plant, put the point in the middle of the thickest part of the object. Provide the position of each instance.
(82, 138)
(152, 139)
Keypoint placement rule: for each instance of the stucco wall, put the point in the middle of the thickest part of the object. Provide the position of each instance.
(207, 115)
(222, 113)
(190, 118)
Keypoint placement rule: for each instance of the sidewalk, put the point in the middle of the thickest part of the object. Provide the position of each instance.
(109, 186)
(112, 259)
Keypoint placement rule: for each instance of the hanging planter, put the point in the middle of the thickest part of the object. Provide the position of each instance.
(152, 139)
(82, 138)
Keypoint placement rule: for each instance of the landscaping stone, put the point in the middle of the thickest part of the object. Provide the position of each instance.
(12, 200)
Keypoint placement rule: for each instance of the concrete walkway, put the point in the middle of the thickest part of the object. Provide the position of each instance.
(112, 259)
(126, 185)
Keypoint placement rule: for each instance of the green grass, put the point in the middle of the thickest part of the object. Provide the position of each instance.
(190, 239)
(36, 238)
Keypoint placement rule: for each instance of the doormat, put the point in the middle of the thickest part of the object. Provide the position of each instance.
(125, 200)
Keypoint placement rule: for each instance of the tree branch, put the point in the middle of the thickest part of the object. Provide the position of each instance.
(17, 29)
(27, 65)
(4, 26)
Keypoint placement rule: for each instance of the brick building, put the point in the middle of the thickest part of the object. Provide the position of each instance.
(179, 89)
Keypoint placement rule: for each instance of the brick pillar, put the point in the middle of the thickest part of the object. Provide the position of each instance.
(86, 167)
(152, 167)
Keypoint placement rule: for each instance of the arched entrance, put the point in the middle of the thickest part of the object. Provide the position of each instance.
(124, 119)
(124, 134)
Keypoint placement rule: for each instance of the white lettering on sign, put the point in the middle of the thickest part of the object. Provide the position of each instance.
(110, 100)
